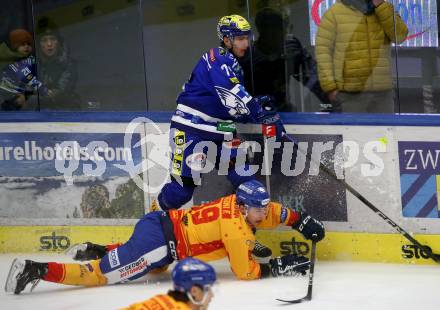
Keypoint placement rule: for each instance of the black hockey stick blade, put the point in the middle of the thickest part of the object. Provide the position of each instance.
(308, 297)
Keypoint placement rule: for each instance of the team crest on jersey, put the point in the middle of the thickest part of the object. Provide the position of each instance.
(196, 162)
(235, 99)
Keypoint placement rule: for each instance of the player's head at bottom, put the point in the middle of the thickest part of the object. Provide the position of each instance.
(193, 281)
(253, 200)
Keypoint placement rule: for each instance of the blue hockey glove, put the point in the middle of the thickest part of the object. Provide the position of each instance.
(266, 114)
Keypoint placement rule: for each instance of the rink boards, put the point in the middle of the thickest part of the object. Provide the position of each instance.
(392, 161)
(341, 246)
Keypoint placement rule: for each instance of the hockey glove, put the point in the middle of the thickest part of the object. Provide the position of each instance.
(86, 251)
(309, 227)
(289, 265)
(267, 114)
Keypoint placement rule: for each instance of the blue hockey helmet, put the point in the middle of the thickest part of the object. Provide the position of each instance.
(191, 271)
(231, 26)
(252, 194)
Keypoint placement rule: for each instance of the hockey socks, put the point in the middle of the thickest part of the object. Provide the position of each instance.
(76, 274)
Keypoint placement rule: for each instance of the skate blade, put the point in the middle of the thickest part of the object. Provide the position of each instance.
(11, 281)
(34, 284)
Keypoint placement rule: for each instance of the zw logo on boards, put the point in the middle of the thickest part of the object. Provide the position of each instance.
(54, 242)
(293, 247)
(413, 251)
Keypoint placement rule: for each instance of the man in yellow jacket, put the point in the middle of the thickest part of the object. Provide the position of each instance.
(193, 280)
(353, 51)
(221, 228)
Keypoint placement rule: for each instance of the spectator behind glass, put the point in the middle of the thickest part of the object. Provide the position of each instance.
(18, 78)
(275, 56)
(9, 51)
(353, 50)
(55, 69)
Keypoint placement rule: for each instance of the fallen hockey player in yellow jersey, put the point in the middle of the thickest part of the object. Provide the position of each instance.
(211, 231)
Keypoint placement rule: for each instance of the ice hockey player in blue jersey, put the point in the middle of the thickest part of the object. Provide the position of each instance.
(212, 101)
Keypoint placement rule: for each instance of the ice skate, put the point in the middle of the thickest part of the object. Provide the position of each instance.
(23, 273)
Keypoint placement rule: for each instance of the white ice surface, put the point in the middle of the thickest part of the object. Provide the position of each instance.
(337, 286)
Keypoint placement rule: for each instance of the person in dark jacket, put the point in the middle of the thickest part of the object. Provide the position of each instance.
(275, 58)
(56, 69)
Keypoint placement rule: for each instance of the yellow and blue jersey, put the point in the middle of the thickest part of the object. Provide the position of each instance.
(20, 77)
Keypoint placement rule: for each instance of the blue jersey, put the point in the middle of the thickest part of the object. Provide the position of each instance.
(20, 77)
(213, 97)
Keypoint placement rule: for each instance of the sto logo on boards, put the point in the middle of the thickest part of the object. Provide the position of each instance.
(410, 251)
(294, 247)
(54, 242)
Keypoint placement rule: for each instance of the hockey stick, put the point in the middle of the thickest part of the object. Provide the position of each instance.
(425, 249)
(308, 297)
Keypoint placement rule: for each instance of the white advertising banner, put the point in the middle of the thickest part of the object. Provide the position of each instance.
(108, 174)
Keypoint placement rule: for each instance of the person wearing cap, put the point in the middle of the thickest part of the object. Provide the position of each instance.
(211, 231)
(18, 79)
(193, 281)
(19, 46)
(21, 42)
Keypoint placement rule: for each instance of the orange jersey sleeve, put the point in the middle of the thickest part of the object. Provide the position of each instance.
(278, 215)
(239, 240)
(159, 302)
